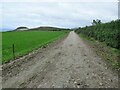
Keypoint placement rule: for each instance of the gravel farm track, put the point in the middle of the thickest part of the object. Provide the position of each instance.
(69, 63)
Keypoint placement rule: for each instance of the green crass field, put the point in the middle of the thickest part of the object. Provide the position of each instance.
(25, 42)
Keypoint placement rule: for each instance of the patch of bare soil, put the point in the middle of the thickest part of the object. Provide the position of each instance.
(68, 64)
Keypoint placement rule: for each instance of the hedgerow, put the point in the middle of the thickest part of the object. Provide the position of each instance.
(104, 32)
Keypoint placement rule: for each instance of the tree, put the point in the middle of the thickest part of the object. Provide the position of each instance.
(96, 22)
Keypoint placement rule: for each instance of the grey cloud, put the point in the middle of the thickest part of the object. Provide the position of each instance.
(57, 14)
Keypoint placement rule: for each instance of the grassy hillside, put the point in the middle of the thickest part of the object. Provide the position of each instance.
(25, 41)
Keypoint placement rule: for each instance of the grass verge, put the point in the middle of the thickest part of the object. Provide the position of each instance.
(111, 55)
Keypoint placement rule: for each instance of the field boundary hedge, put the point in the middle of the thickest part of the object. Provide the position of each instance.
(105, 32)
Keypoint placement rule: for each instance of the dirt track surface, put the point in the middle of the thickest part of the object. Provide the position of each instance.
(69, 64)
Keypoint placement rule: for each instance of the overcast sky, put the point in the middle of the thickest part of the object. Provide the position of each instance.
(62, 13)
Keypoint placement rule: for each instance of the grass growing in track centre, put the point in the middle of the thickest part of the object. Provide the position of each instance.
(25, 41)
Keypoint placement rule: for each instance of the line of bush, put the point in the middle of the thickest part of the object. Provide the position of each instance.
(103, 32)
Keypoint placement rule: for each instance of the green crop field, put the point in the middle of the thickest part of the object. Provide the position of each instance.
(25, 42)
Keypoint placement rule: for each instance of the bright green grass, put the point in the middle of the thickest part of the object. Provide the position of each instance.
(25, 42)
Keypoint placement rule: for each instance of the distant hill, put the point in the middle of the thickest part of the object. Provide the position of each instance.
(21, 29)
(48, 29)
(40, 29)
